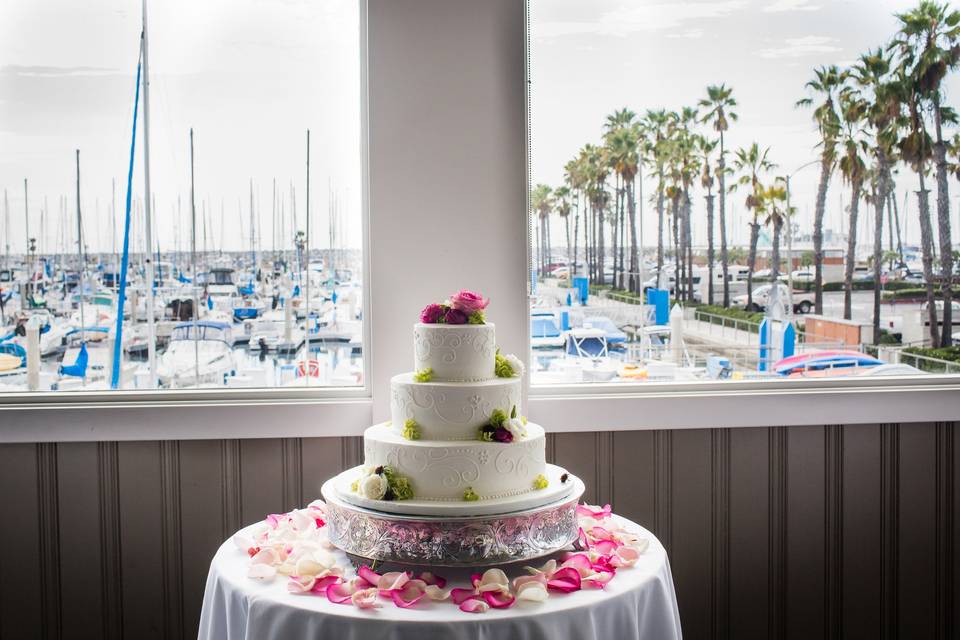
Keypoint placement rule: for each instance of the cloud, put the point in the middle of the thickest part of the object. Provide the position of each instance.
(653, 17)
(780, 6)
(689, 34)
(800, 47)
(54, 72)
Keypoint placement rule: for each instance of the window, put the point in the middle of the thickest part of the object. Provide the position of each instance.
(252, 286)
(729, 191)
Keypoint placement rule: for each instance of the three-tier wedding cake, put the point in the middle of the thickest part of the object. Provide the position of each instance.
(457, 442)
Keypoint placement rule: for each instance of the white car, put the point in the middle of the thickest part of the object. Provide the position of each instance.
(802, 302)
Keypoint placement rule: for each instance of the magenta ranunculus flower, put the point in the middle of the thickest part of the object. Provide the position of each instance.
(431, 314)
(456, 316)
(468, 302)
(502, 435)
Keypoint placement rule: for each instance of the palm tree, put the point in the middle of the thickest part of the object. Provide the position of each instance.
(657, 122)
(853, 145)
(929, 44)
(915, 149)
(751, 162)
(773, 206)
(621, 145)
(826, 83)
(562, 206)
(574, 178)
(882, 114)
(719, 104)
(705, 148)
(541, 203)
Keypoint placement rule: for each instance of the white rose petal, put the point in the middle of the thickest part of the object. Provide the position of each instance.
(516, 427)
(373, 487)
(516, 364)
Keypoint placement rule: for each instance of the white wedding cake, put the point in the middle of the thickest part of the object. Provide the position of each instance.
(457, 441)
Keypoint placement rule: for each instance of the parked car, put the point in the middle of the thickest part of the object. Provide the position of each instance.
(802, 302)
(803, 275)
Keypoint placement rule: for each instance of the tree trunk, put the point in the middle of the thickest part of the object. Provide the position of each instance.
(710, 247)
(926, 244)
(660, 214)
(623, 238)
(688, 241)
(674, 211)
(851, 250)
(618, 195)
(576, 231)
(878, 206)
(826, 169)
(566, 224)
(634, 280)
(724, 257)
(601, 250)
(943, 223)
(752, 261)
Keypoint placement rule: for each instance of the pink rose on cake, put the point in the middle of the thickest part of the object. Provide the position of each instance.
(432, 314)
(468, 302)
(456, 316)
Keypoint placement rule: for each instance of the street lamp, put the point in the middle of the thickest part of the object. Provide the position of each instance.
(790, 233)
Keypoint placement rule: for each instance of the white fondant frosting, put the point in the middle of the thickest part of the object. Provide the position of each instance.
(455, 352)
(450, 410)
(444, 470)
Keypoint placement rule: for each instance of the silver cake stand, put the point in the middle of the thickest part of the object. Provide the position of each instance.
(460, 541)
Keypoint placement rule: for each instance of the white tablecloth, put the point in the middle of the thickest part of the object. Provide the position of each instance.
(639, 602)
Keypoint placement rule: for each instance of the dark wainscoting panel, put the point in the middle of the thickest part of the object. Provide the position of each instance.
(791, 532)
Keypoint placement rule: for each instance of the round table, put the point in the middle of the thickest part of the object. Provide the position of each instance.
(639, 602)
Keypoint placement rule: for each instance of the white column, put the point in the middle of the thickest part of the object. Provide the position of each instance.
(447, 170)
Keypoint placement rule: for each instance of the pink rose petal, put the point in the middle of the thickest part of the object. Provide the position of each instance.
(599, 579)
(583, 542)
(566, 580)
(606, 547)
(321, 584)
(532, 592)
(436, 593)
(474, 605)
(600, 533)
(461, 595)
(522, 581)
(392, 581)
(408, 595)
(301, 584)
(590, 511)
(340, 592)
(498, 599)
(579, 562)
(368, 574)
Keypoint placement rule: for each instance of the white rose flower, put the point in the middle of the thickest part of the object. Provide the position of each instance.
(516, 427)
(373, 487)
(516, 365)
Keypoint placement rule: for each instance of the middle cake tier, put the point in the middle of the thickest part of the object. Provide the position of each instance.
(445, 470)
(450, 410)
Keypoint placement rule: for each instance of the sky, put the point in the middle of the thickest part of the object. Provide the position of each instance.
(250, 77)
(591, 58)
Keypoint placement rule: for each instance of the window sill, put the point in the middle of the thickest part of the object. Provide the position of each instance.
(617, 407)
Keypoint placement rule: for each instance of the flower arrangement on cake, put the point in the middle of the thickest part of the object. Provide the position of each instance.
(463, 307)
(500, 428)
(296, 545)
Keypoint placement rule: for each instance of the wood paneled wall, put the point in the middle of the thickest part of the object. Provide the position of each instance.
(797, 532)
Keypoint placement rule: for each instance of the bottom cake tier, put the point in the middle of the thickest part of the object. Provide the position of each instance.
(559, 485)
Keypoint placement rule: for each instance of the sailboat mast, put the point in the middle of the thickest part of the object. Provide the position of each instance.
(253, 250)
(306, 355)
(6, 228)
(83, 324)
(193, 268)
(26, 219)
(148, 197)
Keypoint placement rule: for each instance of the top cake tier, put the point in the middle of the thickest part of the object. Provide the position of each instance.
(455, 352)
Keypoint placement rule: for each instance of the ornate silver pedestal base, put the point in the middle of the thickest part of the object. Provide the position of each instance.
(452, 542)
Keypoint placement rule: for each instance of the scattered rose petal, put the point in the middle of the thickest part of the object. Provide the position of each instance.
(392, 581)
(366, 598)
(261, 571)
(368, 574)
(592, 511)
(340, 592)
(266, 555)
(460, 595)
(494, 580)
(436, 593)
(498, 599)
(474, 605)
(409, 595)
(532, 592)
(606, 547)
(580, 563)
(429, 578)
(301, 584)
(566, 579)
